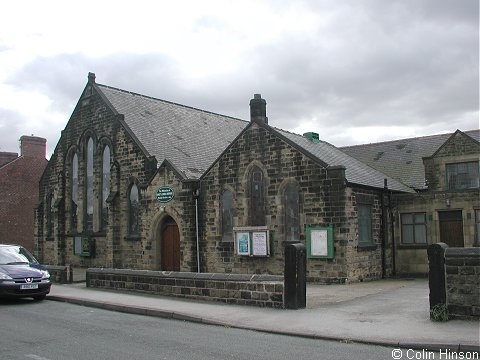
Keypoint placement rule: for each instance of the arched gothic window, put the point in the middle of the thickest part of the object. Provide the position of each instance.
(291, 208)
(133, 210)
(257, 197)
(50, 207)
(74, 194)
(227, 216)
(105, 185)
(89, 182)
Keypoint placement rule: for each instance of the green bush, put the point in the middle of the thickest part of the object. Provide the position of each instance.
(439, 312)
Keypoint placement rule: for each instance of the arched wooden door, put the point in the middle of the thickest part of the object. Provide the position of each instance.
(170, 251)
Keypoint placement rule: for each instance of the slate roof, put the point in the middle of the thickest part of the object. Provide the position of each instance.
(189, 138)
(402, 159)
(356, 172)
(192, 139)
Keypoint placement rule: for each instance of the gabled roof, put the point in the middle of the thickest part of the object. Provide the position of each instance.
(403, 159)
(192, 139)
(450, 139)
(356, 172)
(189, 138)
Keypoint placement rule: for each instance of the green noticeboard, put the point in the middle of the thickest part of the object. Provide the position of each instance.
(320, 242)
(165, 194)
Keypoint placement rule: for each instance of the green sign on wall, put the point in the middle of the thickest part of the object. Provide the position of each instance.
(165, 194)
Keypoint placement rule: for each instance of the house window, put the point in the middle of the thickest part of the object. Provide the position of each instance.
(257, 197)
(365, 225)
(462, 175)
(105, 185)
(89, 182)
(133, 211)
(291, 208)
(74, 212)
(414, 229)
(227, 216)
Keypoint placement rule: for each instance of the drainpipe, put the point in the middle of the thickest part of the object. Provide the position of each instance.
(383, 226)
(392, 230)
(196, 194)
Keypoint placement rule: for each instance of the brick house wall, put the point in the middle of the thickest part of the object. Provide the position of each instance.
(19, 191)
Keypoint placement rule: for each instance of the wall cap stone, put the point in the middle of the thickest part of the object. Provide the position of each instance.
(188, 275)
(462, 252)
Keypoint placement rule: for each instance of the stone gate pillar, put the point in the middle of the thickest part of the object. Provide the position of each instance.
(436, 273)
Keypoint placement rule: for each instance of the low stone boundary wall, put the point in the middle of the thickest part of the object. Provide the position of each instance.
(241, 289)
(462, 268)
(454, 280)
(60, 274)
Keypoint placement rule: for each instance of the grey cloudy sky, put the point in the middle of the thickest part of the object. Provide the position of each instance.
(355, 71)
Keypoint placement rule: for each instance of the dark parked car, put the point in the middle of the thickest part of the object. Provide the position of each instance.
(21, 275)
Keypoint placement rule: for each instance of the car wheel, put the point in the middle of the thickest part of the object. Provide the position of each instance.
(39, 298)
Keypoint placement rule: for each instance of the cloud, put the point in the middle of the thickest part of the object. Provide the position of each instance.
(11, 122)
(378, 65)
(378, 68)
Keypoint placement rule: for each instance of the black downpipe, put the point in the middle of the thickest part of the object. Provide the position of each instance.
(392, 229)
(384, 225)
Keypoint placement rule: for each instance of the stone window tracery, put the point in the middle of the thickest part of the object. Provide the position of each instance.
(227, 216)
(74, 192)
(292, 212)
(105, 185)
(89, 185)
(257, 197)
(133, 211)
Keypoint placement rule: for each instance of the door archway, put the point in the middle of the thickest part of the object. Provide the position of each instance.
(169, 245)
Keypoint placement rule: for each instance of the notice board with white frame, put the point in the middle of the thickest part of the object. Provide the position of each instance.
(252, 241)
(320, 242)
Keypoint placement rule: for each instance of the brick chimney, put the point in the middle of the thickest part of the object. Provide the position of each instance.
(258, 109)
(33, 146)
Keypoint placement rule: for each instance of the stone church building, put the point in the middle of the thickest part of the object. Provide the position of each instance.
(141, 183)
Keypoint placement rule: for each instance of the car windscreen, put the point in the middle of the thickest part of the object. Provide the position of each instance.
(10, 255)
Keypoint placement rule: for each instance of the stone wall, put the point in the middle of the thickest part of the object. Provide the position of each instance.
(411, 260)
(324, 199)
(60, 274)
(462, 268)
(257, 290)
(460, 148)
(154, 214)
(92, 118)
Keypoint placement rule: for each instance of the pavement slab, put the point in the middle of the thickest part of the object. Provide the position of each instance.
(385, 312)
